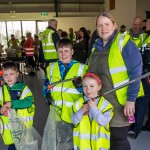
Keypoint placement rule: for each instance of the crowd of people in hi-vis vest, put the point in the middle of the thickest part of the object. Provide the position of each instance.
(83, 73)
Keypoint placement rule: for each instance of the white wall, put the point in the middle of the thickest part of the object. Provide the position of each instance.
(142, 6)
(76, 23)
(124, 12)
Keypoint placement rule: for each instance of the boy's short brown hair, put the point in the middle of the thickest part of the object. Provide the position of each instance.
(64, 43)
(9, 65)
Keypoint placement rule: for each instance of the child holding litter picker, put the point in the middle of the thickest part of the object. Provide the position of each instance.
(91, 116)
(58, 132)
(17, 96)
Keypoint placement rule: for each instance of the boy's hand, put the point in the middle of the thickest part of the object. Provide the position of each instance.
(49, 99)
(3, 109)
(8, 104)
(77, 82)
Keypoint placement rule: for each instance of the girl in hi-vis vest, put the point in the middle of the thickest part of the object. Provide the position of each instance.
(91, 117)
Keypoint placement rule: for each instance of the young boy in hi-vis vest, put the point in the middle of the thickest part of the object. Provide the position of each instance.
(17, 96)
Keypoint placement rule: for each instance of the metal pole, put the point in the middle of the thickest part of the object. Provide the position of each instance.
(121, 86)
(62, 81)
(56, 7)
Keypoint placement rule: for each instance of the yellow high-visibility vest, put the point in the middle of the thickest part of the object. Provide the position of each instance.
(48, 46)
(89, 134)
(65, 94)
(26, 114)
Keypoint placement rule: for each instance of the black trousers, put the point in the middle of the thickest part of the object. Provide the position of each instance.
(118, 138)
(31, 61)
(147, 125)
(36, 57)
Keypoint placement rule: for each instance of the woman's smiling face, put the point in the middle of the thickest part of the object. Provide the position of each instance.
(105, 27)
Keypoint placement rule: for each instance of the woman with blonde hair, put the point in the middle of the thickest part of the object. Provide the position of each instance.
(117, 60)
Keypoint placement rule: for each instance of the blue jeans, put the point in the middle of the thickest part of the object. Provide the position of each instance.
(12, 147)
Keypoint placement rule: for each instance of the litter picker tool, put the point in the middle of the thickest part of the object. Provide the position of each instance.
(50, 86)
(123, 85)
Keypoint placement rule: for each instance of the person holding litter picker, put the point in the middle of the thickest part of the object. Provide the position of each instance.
(91, 116)
(17, 96)
(58, 133)
(117, 60)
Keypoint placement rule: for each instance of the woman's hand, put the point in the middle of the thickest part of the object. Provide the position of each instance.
(129, 109)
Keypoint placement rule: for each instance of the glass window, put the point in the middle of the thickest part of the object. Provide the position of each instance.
(41, 26)
(29, 26)
(14, 27)
(3, 36)
(19, 28)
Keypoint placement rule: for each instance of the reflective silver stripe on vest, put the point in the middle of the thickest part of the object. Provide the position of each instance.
(6, 126)
(66, 90)
(120, 83)
(47, 44)
(51, 71)
(142, 37)
(104, 105)
(118, 69)
(121, 68)
(100, 135)
(77, 105)
(121, 39)
(68, 104)
(49, 50)
(25, 92)
(49, 37)
(143, 47)
(76, 133)
(80, 71)
(82, 136)
(26, 119)
(60, 102)
(77, 148)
